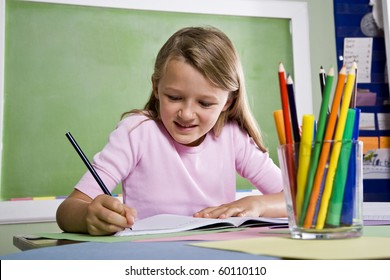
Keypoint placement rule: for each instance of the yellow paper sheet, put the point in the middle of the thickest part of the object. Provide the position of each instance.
(355, 248)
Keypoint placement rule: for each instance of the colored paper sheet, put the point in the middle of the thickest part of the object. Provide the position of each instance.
(231, 235)
(90, 238)
(355, 248)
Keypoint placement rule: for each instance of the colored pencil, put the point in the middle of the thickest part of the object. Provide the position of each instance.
(278, 117)
(336, 147)
(337, 195)
(347, 211)
(87, 163)
(285, 106)
(316, 150)
(287, 125)
(354, 92)
(326, 145)
(293, 109)
(304, 159)
(322, 80)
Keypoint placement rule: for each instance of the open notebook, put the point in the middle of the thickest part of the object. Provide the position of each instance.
(168, 223)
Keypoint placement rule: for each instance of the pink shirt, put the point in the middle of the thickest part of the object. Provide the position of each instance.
(159, 175)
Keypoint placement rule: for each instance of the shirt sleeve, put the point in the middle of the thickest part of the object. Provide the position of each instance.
(254, 165)
(114, 162)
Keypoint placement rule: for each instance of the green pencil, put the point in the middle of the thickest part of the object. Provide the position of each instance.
(318, 143)
(336, 200)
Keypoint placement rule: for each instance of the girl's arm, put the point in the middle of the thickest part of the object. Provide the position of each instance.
(103, 215)
(270, 205)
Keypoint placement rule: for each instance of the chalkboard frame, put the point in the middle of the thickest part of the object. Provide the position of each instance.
(296, 12)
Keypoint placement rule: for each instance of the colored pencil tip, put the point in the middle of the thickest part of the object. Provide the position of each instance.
(331, 71)
(281, 67)
(343, 70)
(353, 68)
(289, 80)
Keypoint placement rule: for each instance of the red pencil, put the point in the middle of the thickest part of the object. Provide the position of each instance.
(285, 107)
(287, 126)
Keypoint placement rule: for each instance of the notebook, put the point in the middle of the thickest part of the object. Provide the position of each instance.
(168, 223)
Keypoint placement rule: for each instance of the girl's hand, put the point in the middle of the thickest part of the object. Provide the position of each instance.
(272, 205)
(107, 215)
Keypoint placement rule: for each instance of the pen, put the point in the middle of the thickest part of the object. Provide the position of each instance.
(87, 163)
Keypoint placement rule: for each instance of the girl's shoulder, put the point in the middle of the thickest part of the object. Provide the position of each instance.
(233, 128)
(134, 121)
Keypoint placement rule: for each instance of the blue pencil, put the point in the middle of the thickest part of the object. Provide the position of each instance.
(350, 185)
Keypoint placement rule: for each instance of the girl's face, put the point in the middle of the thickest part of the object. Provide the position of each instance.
(189, 104)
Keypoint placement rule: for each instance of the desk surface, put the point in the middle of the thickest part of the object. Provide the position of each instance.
(176, 250)
(131, 251)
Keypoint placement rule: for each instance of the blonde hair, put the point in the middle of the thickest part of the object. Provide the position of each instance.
(212, 53)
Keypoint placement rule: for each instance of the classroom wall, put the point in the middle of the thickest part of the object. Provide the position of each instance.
(322, 52)
(322, 42)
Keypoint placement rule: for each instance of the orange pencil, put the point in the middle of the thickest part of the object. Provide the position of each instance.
(326, 145)
(278, 117)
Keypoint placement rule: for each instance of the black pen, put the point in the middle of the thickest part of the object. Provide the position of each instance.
(87, 163)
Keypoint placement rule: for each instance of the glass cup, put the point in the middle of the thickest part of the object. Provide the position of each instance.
(323, 187)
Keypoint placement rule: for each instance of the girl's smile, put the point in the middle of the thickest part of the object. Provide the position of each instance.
(189, 104)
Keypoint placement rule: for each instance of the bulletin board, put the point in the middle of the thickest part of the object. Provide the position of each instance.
(360, 36)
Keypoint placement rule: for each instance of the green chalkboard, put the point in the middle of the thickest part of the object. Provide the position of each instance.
(76, 68)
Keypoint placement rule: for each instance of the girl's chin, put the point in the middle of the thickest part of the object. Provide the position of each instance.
(190, 142)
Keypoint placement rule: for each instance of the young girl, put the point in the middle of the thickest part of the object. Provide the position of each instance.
(180, 154)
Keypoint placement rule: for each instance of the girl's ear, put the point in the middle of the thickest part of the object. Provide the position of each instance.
(155, 88)
(228, 103)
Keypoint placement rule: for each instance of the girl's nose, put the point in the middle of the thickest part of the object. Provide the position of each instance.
(186, 112)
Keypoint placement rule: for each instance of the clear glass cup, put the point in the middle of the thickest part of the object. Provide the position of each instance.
(323, 187)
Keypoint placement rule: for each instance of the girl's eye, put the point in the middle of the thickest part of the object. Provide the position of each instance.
(205, 104)
(173, 98)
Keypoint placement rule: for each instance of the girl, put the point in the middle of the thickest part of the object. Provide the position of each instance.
(180, 154)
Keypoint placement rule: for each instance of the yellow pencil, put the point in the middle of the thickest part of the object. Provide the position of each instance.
(334, 156)
(304, 159)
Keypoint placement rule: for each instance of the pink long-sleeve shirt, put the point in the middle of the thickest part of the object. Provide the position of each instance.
(159, 175)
